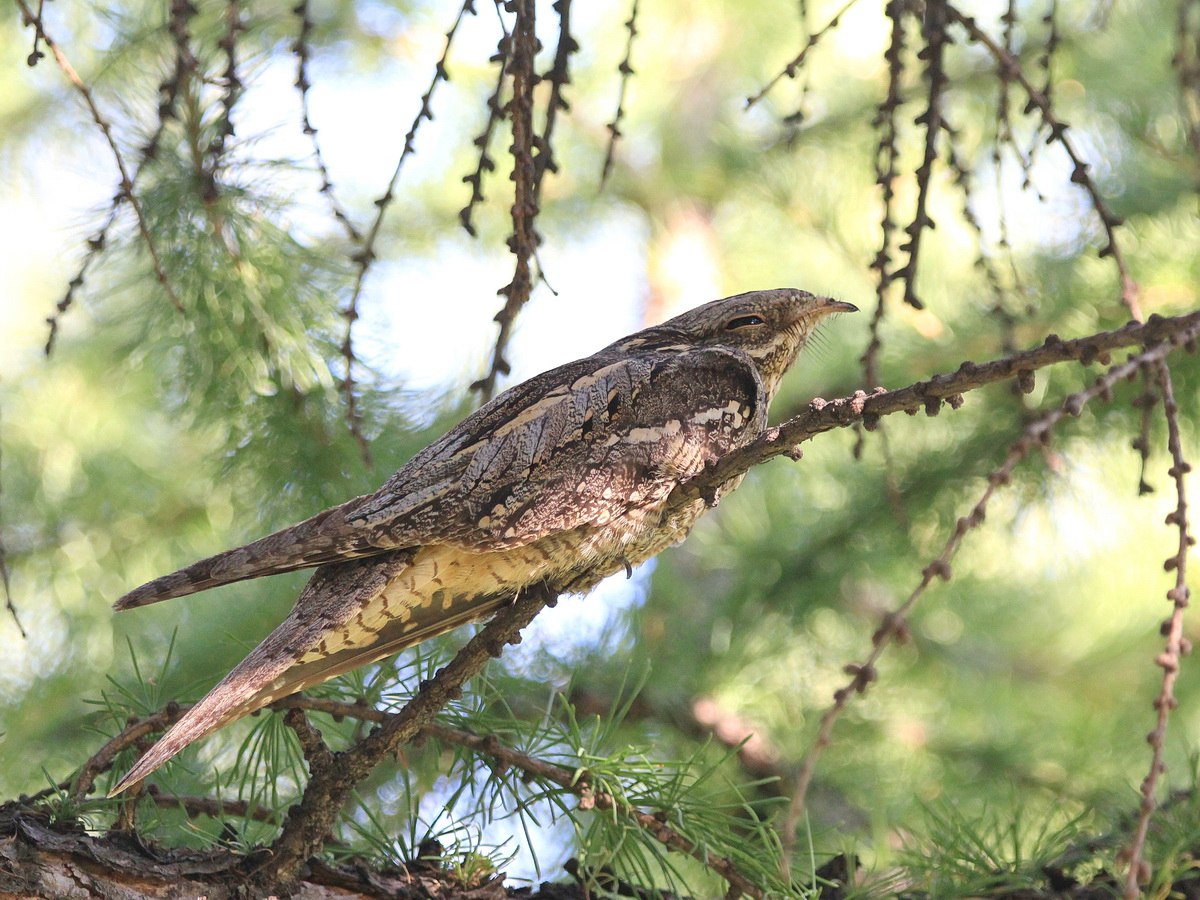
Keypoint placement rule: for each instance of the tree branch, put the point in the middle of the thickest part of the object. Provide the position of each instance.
(825, 415)
(327, 791)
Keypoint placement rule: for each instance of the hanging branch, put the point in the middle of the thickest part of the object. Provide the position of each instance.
(303, 51)
(825, 415)
(961, 173)
(625, 69)
(484, 140)
(1145, 403)
(1005, 134)
(886, 156)
(559, 77)
(5, 581)
(1186, 62)
(936, 38)
(1058, 134)
(1003, 137)
(125, 188)
(1045, 62)
(793, 68)
(230, 93)
(524, 238)
(36, 53)
(894, 626)
(168, 93)
(366, 255)
(1177, 646)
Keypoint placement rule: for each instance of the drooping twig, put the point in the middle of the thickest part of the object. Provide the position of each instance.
(303, 51)
(1177, 645)
(895, 624)
(936, 38)
(230, 92)
(1001, 138)
(185, 62)
(524, 238)
(1045, 62)
(366, 254)
(1038, 100)
(1145, 403)
(1186, 62)
(36, 53)
(125, 188)
(484, 140)
(559, 76)
(5, 580)
(793, 68)
(626, 70)
(961, 173)
(886, 156)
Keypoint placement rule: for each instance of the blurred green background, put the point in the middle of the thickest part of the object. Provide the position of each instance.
(149, 438)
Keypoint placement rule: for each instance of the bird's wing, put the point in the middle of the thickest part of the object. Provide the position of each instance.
(575, 445)
(619, 436)
(322, 539)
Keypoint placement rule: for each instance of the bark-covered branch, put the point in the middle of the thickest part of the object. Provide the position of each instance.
(825, 415)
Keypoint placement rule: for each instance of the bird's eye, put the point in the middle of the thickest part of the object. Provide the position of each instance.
(743, 322)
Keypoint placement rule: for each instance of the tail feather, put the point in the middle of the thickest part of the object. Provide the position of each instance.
(324, 538)
(238, 695)
(274, 669)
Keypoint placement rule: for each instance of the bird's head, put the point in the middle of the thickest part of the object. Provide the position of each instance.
(771, 327)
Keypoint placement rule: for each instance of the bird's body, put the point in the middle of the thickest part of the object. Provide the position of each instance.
(560, 481)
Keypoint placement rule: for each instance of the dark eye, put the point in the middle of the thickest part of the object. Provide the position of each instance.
(743, 322)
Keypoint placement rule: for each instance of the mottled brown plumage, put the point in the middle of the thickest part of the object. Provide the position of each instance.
(561, 480)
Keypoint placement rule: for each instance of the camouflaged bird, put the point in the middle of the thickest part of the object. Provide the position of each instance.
(561, 481)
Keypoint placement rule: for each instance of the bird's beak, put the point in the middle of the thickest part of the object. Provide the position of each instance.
(829, 306)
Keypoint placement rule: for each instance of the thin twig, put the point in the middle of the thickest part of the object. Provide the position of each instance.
(4, 573)
(484, 140)
(625, 69)
(961, 173)
(936, 38)
(1058, 134)
(886, 156)
(366, 255)
(303, 51)
(559, 77)
(125, 189)
(185, 63)
(793, 68)
(524, 238)
(1177, 646)
(230, 94)
(213, 807)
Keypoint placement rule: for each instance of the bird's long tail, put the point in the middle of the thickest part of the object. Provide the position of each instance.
(324, 636)
(324, 538)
